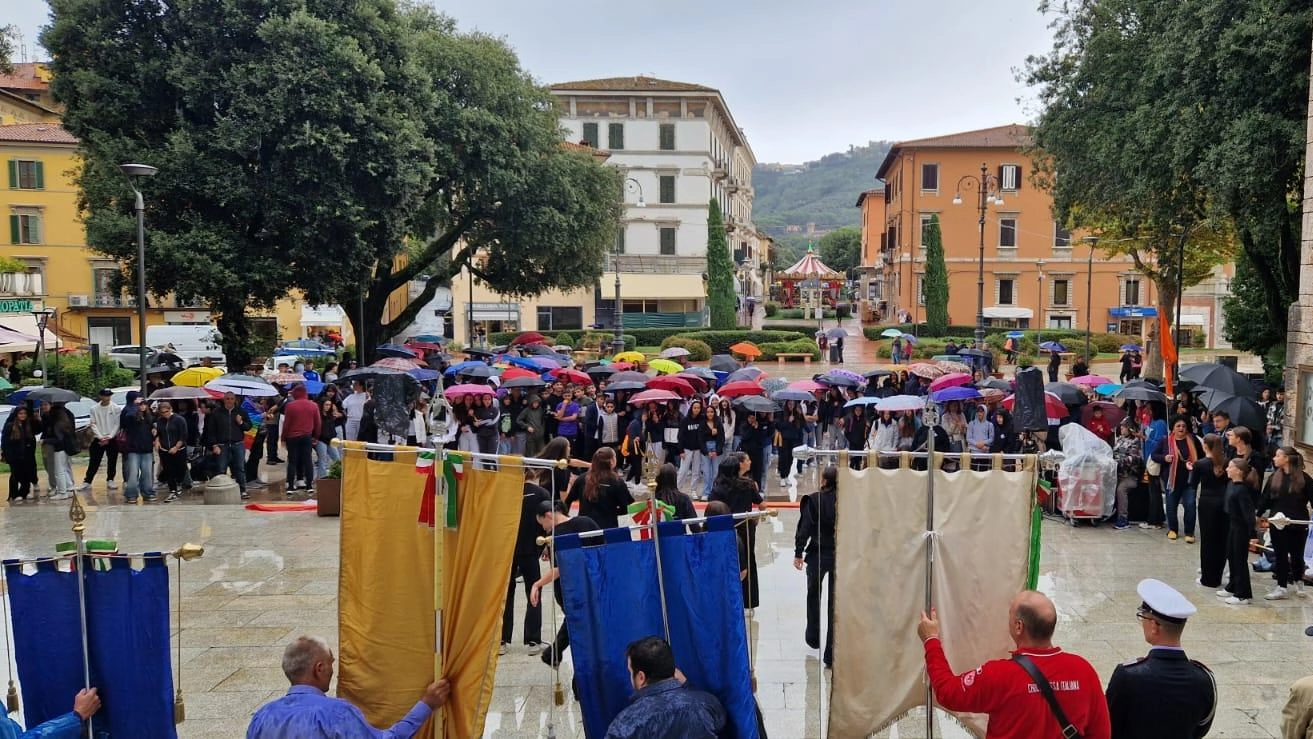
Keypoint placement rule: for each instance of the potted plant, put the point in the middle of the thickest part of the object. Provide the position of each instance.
(328, 491)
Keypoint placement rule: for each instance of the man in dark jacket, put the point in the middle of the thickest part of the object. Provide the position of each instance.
(663, 705)
(138, 455)
(813, 544)
(225, 429)
(524, 564)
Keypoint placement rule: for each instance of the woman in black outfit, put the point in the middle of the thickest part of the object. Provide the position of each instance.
(755, 438)
(602, 495)
(171, 443)
(667, 491)
(486, 421)
(1287, 491)
(814, 545)
(1239, 505)
(1209, 474)
(735, 489)
(856, 428)
(18, 450)
(789, 424)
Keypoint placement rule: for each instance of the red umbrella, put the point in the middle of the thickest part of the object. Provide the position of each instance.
(807, 386)
(1053, 407)
(427, 346)
(674, 384)
(571, 375)
(653, 396)
(742, 387)
(699, 383)
(952, 379)
(1112, 413)
(621, 366)
(515, 372)
(529, 337)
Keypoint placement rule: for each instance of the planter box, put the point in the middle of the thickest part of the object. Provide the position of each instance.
(328, 492)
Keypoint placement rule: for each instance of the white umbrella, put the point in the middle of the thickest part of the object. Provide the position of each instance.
(248, 386)
(674, 352)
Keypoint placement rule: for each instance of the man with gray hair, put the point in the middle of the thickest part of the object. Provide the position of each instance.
(306, 712)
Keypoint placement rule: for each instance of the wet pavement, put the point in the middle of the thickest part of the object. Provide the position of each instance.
(268, 577)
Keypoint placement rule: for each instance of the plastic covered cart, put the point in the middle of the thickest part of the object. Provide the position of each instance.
(1087, 476)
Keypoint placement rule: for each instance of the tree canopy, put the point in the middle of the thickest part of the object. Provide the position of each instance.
(720, 273)
(301, 143)
(1171, 128)
(935, 280)
(841, 250)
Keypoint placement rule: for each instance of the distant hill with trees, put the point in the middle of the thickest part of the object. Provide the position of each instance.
(788, 197)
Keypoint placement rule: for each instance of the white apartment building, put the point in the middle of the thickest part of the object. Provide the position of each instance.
(678, 146)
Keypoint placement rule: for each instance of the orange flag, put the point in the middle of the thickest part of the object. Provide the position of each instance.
(1168, 351)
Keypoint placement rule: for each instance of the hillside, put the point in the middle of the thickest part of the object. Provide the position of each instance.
(823, 192)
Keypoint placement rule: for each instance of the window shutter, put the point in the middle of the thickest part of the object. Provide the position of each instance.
(13, 227)
(1017, 182)
(1000, 177)
(40, 175)
(590, 134)
(13, 174)
(34, 228)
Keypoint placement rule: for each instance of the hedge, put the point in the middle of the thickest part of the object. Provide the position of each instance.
(772, 309)
(74, 373)
(996, 336)
(698, 350)
(772, 349)
(721, 341)
(640, 336)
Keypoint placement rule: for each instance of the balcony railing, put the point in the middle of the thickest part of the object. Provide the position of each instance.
(658, 264)
(21, 284)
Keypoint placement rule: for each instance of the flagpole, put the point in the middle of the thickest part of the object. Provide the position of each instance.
(78, 515)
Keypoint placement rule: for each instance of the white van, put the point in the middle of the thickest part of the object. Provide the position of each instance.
(190, 342)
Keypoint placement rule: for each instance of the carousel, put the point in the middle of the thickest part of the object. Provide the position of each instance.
(809, 283)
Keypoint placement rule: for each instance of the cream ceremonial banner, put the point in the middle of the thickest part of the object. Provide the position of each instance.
(982, 546)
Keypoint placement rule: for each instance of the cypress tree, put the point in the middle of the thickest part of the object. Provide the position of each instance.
(720, 273)
(936, 281)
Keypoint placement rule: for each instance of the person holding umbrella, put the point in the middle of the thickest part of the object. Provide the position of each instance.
(855, 427)
(225, 428)
(1055, 360)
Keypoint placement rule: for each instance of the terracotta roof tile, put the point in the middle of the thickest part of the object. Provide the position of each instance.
(631, 84)
(37, 133)
(1011, 136)
(24, 77)
(873, 192)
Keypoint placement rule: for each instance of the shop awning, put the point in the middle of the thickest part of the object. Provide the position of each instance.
(1192, 319)
(1008, 311)
(329, 316)
(634, 285)
(25, 325)
(1134, 311)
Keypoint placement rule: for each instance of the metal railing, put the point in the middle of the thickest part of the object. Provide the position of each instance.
(664, 265)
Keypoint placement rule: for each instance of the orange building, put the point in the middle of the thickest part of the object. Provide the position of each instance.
(1035, 274)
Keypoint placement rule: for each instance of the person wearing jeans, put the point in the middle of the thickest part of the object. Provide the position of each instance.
(325, 452)
(301, 427)
(712, 435)
(139, 452)
(1287, 491)
(225, 428)
(104, 426)
(690, 441)
(1177, 453)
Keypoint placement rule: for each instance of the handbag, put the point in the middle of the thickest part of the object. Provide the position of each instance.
(1153, 467)
(121, 441)
(1068, 730)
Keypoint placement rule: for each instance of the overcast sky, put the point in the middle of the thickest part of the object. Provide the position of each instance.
(802, 79)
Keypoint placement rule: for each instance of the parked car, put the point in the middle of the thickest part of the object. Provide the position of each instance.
(129, 355)
(306, 348)
(81, 410)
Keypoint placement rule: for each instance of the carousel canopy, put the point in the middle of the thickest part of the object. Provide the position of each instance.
(809, 267)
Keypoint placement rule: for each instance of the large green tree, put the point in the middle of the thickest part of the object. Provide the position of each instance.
(841, 249)
(1176, 129)
(720, 273)
(7, 36)
(935, 280)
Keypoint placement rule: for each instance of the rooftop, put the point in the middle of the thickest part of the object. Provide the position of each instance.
(1011, 136)
(873, 192)
(631, 84)
(27, 76)
(37, 133)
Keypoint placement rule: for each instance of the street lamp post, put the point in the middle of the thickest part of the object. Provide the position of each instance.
(135, 173)
(988, 189)
(1039, 331)
(1089, 293)
(43, 317)
(618, 341)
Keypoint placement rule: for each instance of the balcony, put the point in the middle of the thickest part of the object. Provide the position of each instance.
(21, 284)
(110, 300)
(663, 265)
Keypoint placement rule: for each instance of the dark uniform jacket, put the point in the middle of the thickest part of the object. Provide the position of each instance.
(1164, 695)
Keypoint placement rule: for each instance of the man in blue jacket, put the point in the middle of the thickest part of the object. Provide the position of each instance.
(67, 726)
(663, 705)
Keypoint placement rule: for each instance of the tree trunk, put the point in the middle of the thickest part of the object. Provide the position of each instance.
(370, 334)
(1166, 304)
(235, 330)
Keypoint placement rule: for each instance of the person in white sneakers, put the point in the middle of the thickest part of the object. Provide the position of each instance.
(1287, 491)
(104, 426)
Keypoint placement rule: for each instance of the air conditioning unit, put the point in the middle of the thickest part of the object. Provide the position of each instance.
(79, 301)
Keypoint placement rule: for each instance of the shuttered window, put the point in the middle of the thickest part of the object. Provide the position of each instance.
(667, 194)
(668, 242)
(25, 228)
(590, 134)
(667, 137)
(615, 136)
(1009, 177)
(25, 174)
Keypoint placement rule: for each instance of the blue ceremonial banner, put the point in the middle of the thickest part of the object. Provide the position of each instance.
(128, 642)
(612, 597)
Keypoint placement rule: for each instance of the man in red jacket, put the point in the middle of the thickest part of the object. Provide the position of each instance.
(301, 422)
(1002, 688)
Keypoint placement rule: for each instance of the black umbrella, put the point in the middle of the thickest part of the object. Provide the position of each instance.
(524, 382)
(359, 373)
(756, 404)
(787, 394)
(878, 373)
(479, 352)
(703, 372)
(1140, 392)
(1241, 410)
(837, 380)
(1068, 393)
(482, 371)
(537, 349)
(629, 376)
(746, 374)
(625, 385)
(600, 370)
(723, 363)
(53, 395)
(995, 383)
(394, 350)
(1219, 377)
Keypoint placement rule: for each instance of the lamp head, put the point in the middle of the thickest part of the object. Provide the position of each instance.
(138, 170)
(957, 199)
(640, 203)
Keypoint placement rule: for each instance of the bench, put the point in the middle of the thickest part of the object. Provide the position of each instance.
(783, 357)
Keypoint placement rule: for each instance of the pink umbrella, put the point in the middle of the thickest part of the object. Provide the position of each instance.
(456, 391)
(673, 384)
(1053, 407)
(396, 363)
(807, 386)
(1091, 381)
(653, 396)
(953, 379)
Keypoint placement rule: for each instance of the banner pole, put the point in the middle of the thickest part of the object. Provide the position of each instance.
(78, 516)
(930, 419)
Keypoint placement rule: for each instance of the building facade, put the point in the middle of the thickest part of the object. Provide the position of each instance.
(678, 146)
(1036, 275)
(1298, 422)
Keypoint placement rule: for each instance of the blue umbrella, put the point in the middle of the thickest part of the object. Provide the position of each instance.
(862, 401)
(423, 374)
(910, 338)
(1131, 348)
(457, 368)
(965, 392)
(430, 338)
(395, 350)
(1053, 346)
(524, 363)
(1107, 388)
(1016, 335)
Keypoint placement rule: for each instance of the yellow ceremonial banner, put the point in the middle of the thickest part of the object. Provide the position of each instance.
(386, 632)
(477, 557)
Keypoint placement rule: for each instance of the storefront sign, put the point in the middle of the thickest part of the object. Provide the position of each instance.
(1134, 311)
(187, 316)
(16, 306)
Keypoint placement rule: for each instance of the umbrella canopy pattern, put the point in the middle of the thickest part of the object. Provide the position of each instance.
(1053, 346)
(460, 391)
(810, 266)
(674, 352)
(837, 381)
(282, 378)
(891, 333)
(423, 374)
(400, 364)
(653, 396)
(928, 371)
(666, 366)
(1219, 377)
(741, 387)
(746, 348)
(808, 386)
(1091, 381)
(845, 373)
(877, 373)
(900, 403)
(991, 395)
(951, 366)
(757, 404)
(196, 376)
(910, 339)
(955, 393)
(1130, 348)
(395, 350)
(836, 333)
(1053, 405)
(995, 383)
(953, 379)
(1015, 335)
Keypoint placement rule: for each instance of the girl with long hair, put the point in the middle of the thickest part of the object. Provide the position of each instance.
(558, 478)
(18, 450)
(1210, 476)
(1287, 491)
(712, 435)
(487, 418)
(789, 429)
(734, 488)
(690, 444)
(667, 491)
(1238, 501)
(601, 494)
